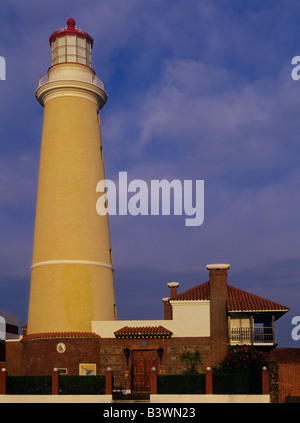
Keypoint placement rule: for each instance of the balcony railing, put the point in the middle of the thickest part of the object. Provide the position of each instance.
(92, 79)
(258, 335)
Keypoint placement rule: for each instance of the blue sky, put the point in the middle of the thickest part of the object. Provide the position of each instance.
(196, 90)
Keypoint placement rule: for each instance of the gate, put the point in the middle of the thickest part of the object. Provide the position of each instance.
(121, 384)
(134, 383)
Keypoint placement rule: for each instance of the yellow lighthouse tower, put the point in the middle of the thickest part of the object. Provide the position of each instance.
(72, 271)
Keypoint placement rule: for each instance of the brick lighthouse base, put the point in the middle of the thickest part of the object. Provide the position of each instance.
(37, 355)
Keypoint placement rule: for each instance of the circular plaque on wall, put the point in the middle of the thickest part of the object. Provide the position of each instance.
(60, 347)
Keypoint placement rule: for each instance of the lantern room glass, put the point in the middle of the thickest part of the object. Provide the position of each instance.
(71, 48)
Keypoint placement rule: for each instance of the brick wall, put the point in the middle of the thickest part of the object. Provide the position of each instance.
(112, 352)
(289, 380)
(288, 371)
(14, 351)
(39, 357)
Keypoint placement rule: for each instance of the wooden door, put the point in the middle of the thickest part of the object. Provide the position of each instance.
(142, 363)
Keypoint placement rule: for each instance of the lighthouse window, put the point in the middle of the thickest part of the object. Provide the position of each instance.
(71, 40)
(61, 51)
(81, 52)
(81, 60)
(53, 50)
(88, 53)
(70, 48)
(60, 59)
(60, 41)
(81, 42)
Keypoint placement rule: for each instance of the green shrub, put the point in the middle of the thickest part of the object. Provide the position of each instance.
(82, 385)
(237, 383)
(68, 385)
(28, 385)
(181, 384)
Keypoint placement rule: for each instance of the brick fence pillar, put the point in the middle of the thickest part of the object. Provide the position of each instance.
(55, 382)
(108, 381)
(153, 381)
(209, 381)
(3, 381)
(265, 381)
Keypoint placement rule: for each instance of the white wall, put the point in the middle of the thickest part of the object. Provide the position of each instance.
(216, 399)
(72, 399)
(190, 318)
(191, 399)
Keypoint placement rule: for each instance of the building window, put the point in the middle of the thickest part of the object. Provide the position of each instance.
(2, 351)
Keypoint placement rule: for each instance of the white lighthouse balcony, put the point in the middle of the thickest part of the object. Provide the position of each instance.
(71, 73)
(71, 79)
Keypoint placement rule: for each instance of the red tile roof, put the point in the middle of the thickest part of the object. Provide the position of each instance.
(237, 299)
(51, 335)
(143, 332)
(200, 292)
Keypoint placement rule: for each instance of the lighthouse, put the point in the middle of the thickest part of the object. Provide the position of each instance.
(72, 280)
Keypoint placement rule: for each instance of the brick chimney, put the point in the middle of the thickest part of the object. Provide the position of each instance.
(173, 286)
(168, 313)
(218, 312)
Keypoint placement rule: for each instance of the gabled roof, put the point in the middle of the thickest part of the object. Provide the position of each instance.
(143, 332)
(237, 299)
